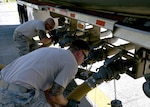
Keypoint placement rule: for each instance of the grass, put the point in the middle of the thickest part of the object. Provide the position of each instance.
(5, 1)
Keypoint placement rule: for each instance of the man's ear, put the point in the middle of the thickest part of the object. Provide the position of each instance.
(79, 53)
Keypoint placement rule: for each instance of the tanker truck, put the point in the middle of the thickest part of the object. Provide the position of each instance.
(101, 23)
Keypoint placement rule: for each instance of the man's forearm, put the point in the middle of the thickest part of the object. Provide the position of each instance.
(47, 98)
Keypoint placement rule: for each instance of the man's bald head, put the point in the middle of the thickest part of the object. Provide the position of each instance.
(49, 24)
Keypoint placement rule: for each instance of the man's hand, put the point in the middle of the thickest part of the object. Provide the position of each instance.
(72, 103)
(46, 41)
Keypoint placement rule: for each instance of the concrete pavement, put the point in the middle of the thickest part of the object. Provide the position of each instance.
(9, 20)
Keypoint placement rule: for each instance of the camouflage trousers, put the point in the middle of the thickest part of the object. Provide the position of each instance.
(24, 44)
(10, 96)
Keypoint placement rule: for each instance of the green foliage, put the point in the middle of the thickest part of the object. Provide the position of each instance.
(9, 1)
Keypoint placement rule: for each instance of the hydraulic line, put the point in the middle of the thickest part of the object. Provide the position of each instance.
(84, 88)
(79, 92)
(1, 67)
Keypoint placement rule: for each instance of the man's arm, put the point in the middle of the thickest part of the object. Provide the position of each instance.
(44, 39)
(55, 95)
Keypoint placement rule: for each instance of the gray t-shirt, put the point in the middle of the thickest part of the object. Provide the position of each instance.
(40, 68)
(30, 28)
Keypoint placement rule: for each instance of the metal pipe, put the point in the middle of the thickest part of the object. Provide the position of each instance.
(110, 40)
(116, 49)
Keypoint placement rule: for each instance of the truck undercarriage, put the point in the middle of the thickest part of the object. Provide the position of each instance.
(125, 20)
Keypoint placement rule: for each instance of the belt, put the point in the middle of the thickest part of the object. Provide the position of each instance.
(12, 87)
